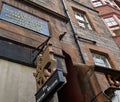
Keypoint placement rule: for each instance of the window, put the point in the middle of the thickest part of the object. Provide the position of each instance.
(82, 20)
(97, 3)
(112, 3)
(110, 21)
(101, 60)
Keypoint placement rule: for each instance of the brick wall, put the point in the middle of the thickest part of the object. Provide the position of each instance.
(100, 33)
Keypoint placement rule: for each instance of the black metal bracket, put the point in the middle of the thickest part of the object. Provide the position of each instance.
(62, 35)
(40, 48)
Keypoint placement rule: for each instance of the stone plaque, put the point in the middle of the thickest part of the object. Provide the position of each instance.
(23, 19)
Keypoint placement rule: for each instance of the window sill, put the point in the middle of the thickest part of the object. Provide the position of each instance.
(105, 70)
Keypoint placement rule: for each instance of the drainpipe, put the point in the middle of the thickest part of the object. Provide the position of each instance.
(74, 32)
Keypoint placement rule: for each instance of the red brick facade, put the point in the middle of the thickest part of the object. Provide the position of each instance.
(77, 34)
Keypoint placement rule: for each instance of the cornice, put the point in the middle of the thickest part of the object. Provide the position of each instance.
(48, 11)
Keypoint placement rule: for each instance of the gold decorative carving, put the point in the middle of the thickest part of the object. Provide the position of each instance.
(113, 81)
(46, 65)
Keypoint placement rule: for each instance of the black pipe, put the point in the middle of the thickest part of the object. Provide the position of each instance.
(74, 33)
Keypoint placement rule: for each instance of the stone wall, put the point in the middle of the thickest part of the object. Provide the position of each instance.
(17, 83)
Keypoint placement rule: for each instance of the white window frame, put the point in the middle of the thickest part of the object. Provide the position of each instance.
(82, 20)
(97, 3)
(110, 21)
(101, 60)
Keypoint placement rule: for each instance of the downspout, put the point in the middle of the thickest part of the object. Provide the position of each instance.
(74, 32)
(77, 38)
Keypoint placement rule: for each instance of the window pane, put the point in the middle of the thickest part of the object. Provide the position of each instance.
(101, 60)
(96, 3)
(79, 18)
(81, 24)
(110, 22)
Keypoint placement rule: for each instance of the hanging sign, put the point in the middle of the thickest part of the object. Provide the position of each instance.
(55, 82)
(23, 19)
